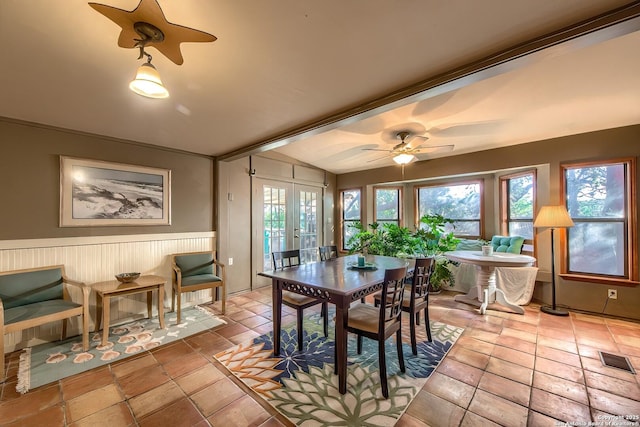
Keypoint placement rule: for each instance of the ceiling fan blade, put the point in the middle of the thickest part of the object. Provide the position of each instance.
(437, 148)
(465, 129)
(422, 137)
(375, 149)
(410, 149)
(377, 160)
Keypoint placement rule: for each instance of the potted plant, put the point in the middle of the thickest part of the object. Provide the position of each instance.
(364, 241)
(392, 240)
(435, 241)
(387, 239)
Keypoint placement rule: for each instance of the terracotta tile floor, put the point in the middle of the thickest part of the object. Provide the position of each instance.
(506, 369)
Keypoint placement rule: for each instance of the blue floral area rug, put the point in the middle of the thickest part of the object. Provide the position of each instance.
(303, 387)
(53, 361)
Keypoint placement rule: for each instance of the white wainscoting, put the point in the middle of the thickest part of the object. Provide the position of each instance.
(97, 258)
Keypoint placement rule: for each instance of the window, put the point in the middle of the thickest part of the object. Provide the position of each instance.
(599, 199)
(351, 208)
(459, 202)
(517, 195)
(387, 205)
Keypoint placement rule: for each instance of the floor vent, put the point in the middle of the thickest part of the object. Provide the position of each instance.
(614, 361)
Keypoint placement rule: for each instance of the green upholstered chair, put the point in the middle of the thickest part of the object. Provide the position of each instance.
(37, 296)
(195, 271)
(509, 244)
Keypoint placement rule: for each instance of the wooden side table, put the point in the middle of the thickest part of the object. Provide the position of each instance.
(111, 288)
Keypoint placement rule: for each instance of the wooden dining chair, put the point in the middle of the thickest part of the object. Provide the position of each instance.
(379, 323)
(416, 298)
(328, 252)
(286, 259)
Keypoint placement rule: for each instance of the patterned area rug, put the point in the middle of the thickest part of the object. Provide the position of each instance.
(303, 387)
(50, 362)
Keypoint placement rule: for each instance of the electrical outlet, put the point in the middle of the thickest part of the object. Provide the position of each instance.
(612, 293)
(230, 261)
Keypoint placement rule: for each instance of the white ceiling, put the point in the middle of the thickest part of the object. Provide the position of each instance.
(279, 66)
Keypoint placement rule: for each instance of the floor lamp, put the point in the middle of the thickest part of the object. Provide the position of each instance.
(553, 217)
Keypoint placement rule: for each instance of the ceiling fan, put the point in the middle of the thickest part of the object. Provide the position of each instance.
(146, 26)
(404, 153)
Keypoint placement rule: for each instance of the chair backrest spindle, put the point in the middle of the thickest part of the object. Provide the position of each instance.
(328, 252)
(421, 281)
(284, 259)
(393, 294)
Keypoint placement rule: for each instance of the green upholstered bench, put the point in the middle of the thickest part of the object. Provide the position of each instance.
(33, 297)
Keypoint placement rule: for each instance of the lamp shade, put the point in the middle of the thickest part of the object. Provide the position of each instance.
(553, 217)
(147, 82)
(404, 158)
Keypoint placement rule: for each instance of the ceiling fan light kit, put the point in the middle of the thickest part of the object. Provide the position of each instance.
(145, 26)
(404, 158)
(147, 82)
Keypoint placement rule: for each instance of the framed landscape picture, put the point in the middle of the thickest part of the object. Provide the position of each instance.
(96, 193)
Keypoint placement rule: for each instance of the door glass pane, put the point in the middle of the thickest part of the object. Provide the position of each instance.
(274, 223)
(595, 248)
(308, 225)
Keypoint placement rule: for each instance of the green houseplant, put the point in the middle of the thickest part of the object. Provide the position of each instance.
(384, 239)
(435, 241)
(393, 240)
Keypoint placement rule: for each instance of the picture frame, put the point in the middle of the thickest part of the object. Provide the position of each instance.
(100, 193)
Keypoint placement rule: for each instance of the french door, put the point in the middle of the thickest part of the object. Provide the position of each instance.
(285, 216)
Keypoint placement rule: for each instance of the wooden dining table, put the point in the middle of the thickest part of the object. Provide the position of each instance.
(338, 281)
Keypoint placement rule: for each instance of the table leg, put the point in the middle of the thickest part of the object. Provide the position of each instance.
(105, 319)
(277, 315)
(342, 319)
(161, 305)
(149, 304)
(487, 281)
(98, 312)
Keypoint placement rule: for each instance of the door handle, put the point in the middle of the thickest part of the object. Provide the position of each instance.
(295, 236)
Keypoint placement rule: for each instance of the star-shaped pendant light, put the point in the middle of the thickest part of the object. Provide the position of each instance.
(149, 12)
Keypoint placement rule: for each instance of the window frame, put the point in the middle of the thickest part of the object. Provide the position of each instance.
(529, 246)
(480, 182)
(630, 220)
(343, 222)
(400, 220)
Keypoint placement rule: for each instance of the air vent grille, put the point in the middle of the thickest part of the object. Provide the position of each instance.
(615, 361)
